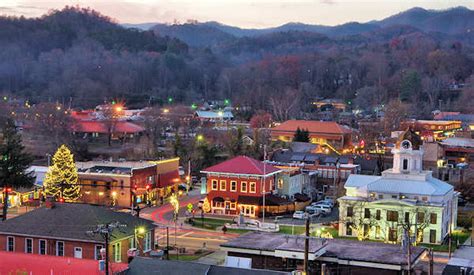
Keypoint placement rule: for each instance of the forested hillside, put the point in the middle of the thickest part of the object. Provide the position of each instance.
(80, 57)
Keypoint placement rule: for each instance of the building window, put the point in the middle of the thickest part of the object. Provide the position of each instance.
(407, 217)
(29, 245)
(243, 186)
(147, 244)
(253, 187)
(42, 247)
(350, 211)
(380, 196)
(214, 184)
(366, 230)
(233, 205)
(97, 254)
(367, 213)
(424, 198)
(432, 236)
(349, 229)
(377, 232)
(280, 184)
(377, 214)
(117, 250)
(10, 243)
(392, 216)
(121, 184)
(392, 235)
(59, 248)
(405, 164)
(131, 243)
(421, 217)
(394, 196)
(223, 185)
(78, 252)
(233, 186)
(433, 218)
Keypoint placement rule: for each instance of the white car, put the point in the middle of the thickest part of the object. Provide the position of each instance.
(323, 203)
(299, 215)
(313, 211)
(326, 209)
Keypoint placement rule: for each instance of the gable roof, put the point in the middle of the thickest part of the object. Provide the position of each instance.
(242, 165)
(313, 126)
(72, 221)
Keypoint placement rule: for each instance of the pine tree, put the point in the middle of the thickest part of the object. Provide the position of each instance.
(61, 178)
(297, 136)
(13, 163)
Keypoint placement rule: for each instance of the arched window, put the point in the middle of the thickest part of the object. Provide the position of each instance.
(405, 164)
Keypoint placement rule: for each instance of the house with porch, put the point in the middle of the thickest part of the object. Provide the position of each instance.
(65, 230)
(241, 185)
(404, 201)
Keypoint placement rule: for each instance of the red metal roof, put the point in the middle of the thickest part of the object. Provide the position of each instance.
(15, 263)
(242, 165)
(327, 127)
(93, 126)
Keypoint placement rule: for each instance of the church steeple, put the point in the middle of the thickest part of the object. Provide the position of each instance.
(408, 153)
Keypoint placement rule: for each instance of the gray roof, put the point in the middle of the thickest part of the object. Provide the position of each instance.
(141, 265)
(215, 115)
(382, 184)
(72, 221)
(374, 252)
(271, 242)
(303, 147)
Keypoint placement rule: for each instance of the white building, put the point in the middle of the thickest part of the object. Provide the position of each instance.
(404, 199)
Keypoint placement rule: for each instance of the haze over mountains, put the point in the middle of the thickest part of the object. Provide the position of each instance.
(80, 56)
(455, 21)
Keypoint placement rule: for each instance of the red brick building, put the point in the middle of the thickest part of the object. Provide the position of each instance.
(64, 229)
(238, 185)
(118, 183)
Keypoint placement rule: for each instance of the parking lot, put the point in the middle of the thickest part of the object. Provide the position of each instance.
(331, 217)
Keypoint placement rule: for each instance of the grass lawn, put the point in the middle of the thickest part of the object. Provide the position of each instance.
(287, 229)
(185, 257)
(212, 224)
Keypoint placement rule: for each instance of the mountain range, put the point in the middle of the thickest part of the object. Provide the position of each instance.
(454, 22)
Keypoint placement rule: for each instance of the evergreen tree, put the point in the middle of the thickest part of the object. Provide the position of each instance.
(13, 163)
(301, 135)
(61, 178)
(297, 135)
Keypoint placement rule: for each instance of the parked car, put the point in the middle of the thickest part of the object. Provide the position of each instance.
(313, 211)
(324, 202)
(326, 209)
(299, 215)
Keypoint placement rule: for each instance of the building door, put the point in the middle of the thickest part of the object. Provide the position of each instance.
(432, 236)
(392, 235)
(78, 252)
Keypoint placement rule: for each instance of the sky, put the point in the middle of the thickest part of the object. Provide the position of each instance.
(242, 13)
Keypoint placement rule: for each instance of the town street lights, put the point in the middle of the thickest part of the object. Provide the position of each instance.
(175, 204)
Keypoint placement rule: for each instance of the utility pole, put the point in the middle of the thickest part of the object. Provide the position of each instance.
(105, 231)
(306, 246)
(167, 243)
(430, 257)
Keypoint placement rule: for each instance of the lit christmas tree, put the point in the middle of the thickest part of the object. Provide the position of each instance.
(61, 178)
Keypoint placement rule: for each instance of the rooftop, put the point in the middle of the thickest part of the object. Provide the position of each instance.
(141, 265)
(71, 221)
(458, 142)
(373, 252)
(313, 126)
(101, 127)
(242, 165)
(111, 167)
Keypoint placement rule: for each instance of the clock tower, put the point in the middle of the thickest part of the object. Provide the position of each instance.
(408, 153)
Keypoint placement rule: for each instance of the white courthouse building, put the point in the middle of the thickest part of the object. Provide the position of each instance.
(404, 199)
